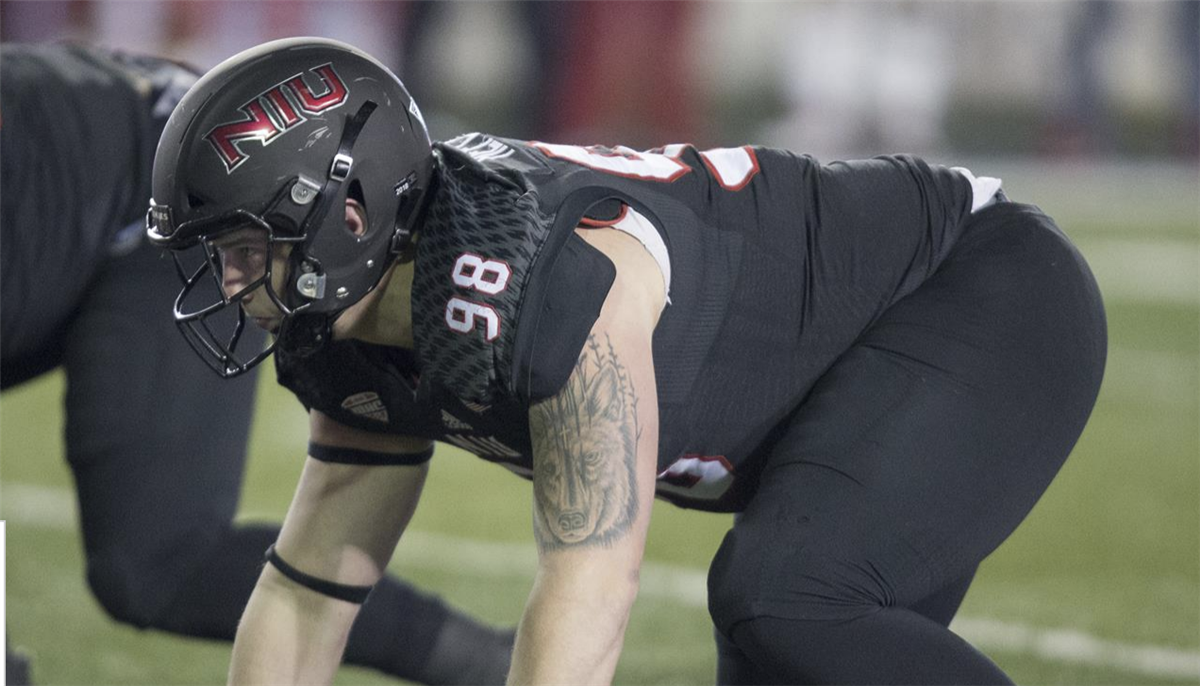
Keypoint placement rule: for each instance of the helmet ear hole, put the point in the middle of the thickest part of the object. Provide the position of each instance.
(355, 192)
(356, 223)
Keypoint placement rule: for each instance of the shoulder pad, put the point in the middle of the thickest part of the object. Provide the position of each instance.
(496, 159)
(476, 253)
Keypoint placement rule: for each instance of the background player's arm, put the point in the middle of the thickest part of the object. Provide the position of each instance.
(594, 452)
(342, 526)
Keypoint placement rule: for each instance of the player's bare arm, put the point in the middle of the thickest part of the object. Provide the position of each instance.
(594, 446)
(585, 439)
(341, 529)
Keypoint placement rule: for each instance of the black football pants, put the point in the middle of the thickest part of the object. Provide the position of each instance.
(912, 458)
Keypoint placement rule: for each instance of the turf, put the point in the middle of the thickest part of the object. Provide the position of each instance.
(1112, 550)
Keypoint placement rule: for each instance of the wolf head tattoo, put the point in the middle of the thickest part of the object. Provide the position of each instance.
(585, 449)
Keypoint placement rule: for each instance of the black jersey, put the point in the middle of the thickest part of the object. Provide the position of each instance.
(776, 262)
(78, 127)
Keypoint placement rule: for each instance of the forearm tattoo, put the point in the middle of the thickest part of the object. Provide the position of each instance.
(584, 454)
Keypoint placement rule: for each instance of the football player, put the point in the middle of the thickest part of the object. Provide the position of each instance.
(156, 447)
(879, 364)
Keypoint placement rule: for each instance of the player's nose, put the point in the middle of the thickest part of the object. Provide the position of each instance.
(235, 278)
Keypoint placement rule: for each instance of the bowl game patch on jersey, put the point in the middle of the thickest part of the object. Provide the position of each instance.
(454, 423)
(367, 404)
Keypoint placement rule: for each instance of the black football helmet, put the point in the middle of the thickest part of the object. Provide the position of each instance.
(277, 137)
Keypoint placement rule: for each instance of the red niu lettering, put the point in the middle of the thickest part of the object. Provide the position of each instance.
(225, 138)
(264, 125)
(335, 90)
(287, 114)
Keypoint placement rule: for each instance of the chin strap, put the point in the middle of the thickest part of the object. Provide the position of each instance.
(305, 333)
(339, 170)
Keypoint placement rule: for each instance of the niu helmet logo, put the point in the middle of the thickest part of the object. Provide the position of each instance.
(276, 111)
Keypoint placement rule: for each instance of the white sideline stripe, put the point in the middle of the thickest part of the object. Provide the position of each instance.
(54, 508)
(1168, 380)
(1068, 645)
(1146, 270)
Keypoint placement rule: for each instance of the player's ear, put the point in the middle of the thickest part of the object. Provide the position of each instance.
(356, 217)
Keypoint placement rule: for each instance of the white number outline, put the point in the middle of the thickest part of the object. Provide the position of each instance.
(731, 168)
(603, 160)
(481, 265)
(471, 310)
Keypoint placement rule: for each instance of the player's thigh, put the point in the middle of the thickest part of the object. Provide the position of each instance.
(156, 439)
(734, 667)
(924, 445)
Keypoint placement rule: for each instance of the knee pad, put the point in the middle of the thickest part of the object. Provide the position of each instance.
(124, 589)
(137, 582)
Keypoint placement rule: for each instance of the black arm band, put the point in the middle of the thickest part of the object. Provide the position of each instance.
(351, 594)
(331, 453)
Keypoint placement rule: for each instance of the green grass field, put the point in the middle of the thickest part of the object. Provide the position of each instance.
(1100, 586)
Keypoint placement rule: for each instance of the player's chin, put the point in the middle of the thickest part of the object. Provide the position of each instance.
(270, 324)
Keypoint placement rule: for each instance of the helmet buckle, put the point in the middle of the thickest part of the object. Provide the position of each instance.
(401, 239)
(340, 169)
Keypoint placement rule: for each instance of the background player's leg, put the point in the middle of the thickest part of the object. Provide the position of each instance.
(157, 443)
(913, 457)
(16, 667)
(16, 371)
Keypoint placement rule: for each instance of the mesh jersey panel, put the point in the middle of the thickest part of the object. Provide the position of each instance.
(494, 221)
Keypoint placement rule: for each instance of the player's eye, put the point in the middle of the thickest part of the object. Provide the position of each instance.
(243, 253)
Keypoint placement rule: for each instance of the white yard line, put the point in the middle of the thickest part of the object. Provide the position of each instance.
(54, 508)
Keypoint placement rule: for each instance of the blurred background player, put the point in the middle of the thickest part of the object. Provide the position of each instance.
(157, 458)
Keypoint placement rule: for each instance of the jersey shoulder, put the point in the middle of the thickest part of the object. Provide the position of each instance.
(479, 244)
